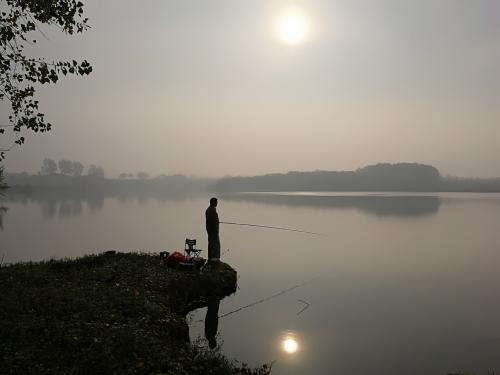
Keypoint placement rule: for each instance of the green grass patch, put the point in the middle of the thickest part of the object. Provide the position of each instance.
(107, 314)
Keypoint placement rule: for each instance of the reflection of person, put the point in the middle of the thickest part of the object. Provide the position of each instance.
(212, 225)
(212, 322)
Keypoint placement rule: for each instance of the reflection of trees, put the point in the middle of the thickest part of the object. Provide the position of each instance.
(143, 200)
(94, 200)
(3, 210)
(70, 208)
(62, 203)
(49, 208)
(381, 205)
(67, 202)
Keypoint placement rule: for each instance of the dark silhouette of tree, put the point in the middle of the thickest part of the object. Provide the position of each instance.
(142, 175)
(49, 166)
(20, 73)
(3, 186)
(95, 171)
(399, 176)
(77, 168)
(65, 167)
(379, 177)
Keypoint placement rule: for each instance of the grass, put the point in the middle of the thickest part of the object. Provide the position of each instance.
(107, 314)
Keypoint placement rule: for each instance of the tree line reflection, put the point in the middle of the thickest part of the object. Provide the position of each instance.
(69, 203)
(380, 205)
(65, 203)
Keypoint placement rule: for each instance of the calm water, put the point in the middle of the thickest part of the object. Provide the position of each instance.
(398, 283)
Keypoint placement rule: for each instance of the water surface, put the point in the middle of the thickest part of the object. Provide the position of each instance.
(398, 283)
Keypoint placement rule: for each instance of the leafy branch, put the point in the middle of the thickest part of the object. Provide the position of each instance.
(19, 74)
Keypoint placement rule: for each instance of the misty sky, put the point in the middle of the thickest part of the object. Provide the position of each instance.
(206, 88)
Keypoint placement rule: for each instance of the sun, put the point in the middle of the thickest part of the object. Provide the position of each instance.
(292, 26)
(290, 345)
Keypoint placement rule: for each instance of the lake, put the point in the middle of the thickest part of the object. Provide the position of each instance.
(397, 283)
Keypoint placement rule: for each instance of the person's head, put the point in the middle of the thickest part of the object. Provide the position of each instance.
(213, 202)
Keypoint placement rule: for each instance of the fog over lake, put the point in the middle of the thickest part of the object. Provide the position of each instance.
(397, 282)
(353, 149)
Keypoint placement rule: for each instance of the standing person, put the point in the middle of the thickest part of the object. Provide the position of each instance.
(212, 225)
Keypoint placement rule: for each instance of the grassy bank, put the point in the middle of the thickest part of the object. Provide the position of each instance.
(122, 313)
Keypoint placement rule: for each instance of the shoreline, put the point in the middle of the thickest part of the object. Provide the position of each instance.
(108, 313)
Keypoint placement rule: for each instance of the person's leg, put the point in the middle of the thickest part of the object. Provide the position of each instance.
(216, 250)
(213, 248)
(210, 247)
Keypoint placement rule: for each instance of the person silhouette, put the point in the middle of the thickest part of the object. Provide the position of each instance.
(212, 322)
(212, 225)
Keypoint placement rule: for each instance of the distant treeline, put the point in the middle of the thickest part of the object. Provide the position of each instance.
(67, 177)
(379, 177)
(98, 184)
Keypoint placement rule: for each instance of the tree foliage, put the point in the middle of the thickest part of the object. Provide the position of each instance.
(65, 166)
(96, 171)
(49, 166)
(3, 186)
(77, 168)
(70, 168)
(19, 23)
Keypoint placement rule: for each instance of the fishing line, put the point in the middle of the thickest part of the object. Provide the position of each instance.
(270, 227)
(266, 299)
(270, 297)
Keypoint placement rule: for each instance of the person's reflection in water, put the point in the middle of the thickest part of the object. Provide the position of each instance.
(212, 322)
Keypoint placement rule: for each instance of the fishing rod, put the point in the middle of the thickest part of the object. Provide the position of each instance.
(271, 227)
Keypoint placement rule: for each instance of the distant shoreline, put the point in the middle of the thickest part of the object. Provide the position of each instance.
(401, 177)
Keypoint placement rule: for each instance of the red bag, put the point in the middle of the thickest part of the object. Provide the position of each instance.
(176, 258)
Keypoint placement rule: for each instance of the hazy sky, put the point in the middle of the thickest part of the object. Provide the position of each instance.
(206, 87)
